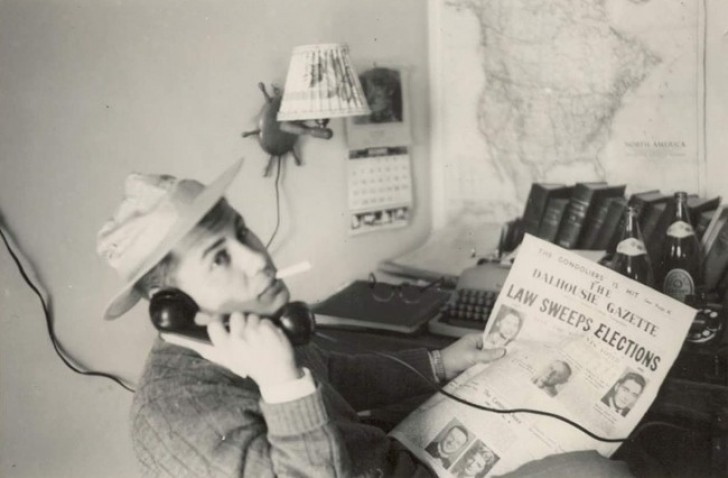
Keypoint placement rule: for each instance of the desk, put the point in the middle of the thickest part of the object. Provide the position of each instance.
(685, 431)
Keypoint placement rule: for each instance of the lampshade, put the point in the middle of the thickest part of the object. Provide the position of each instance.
(321, 84)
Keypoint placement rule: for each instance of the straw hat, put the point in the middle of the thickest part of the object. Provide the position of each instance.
(156, 212)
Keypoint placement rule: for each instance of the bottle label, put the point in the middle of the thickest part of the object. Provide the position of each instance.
(631, 247)
(680, 229)
(678, 284)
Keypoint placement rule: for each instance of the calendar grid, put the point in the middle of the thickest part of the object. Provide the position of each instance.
(381, 178)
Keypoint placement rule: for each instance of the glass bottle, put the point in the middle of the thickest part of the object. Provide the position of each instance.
(681, 259)
(630, 257)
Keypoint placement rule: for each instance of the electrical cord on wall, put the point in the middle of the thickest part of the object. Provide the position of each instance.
(278, 204)
(65, 357)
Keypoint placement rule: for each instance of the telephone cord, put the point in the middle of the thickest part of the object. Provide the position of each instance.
(278, 203)
(65, 358)
(503, 411)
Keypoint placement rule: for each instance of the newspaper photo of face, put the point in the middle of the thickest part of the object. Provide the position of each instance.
(449, 443)
(625, 393)
(505, 329)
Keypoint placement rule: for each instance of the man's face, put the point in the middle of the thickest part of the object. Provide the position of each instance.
(454, 440)
(555, 374)
(228, 269)
(627, 393)
(378, 96)
(508, 326)
(475, 463)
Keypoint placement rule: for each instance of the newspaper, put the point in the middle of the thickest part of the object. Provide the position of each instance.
(582, 342)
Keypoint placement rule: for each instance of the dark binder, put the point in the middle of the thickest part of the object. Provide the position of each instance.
(649, 204)
(636, 201)
(660, 217)
(356, 307)
(617, 206)
(657, 213)
(702, 223)
(576, 213)
(537, 202)
(552, 219)
(716, 259)
(720, 217)
(597, 214)
(698, 205)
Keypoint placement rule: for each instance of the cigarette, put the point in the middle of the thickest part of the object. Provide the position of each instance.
(293, 270)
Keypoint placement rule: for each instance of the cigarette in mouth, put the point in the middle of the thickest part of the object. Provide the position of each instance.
(293, 270)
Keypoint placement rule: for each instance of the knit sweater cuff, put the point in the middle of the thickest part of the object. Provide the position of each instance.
(297, 416)
(419, 359)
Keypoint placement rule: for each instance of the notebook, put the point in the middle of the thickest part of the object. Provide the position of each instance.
(356, 307)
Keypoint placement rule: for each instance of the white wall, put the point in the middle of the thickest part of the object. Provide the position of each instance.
(92, 90)
(716, 110)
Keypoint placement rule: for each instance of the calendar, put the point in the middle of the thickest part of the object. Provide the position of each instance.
(380, 188)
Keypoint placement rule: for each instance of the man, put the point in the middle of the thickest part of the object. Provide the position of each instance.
(556, 373)
(476, 462)
(383, 90)
(249, 404)
(449, 447)
(623, 395)
(504, 330)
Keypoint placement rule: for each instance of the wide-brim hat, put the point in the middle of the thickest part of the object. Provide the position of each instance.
(156, 213)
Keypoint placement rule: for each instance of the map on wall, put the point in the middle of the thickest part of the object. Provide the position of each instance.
(563, 91)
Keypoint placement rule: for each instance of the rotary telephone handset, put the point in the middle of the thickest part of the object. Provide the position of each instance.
(174, 311)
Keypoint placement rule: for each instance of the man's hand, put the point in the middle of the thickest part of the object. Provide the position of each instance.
(253, 347)
(465, 353)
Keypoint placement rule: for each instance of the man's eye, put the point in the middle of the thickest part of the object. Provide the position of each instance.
(242, 234)
(222, 258)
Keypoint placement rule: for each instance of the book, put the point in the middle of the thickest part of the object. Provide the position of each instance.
(698, 205)
(636, 201)
(537, 201)
(647, 212)
(655, 232)
(652, 216)
(639, 200)
(576, 213)
(356, 306)
(552, 217)
(592, 231)
(617, 206)
(716, 259)
(716, 223)
(703, 220)
(595, 218)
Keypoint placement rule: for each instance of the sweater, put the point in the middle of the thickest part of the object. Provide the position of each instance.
(191, 417)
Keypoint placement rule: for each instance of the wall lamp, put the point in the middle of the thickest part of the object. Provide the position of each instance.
(321, 84)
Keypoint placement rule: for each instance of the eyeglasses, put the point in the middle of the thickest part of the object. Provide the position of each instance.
(408, 293)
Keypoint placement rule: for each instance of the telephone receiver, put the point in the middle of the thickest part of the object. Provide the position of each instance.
(173, 311)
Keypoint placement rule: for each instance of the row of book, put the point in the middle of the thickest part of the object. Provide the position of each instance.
(590, 215)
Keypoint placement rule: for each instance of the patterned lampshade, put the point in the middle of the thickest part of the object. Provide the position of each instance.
(321, 84)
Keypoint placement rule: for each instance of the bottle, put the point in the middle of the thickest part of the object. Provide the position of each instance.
(681, 259)
(630, 257)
